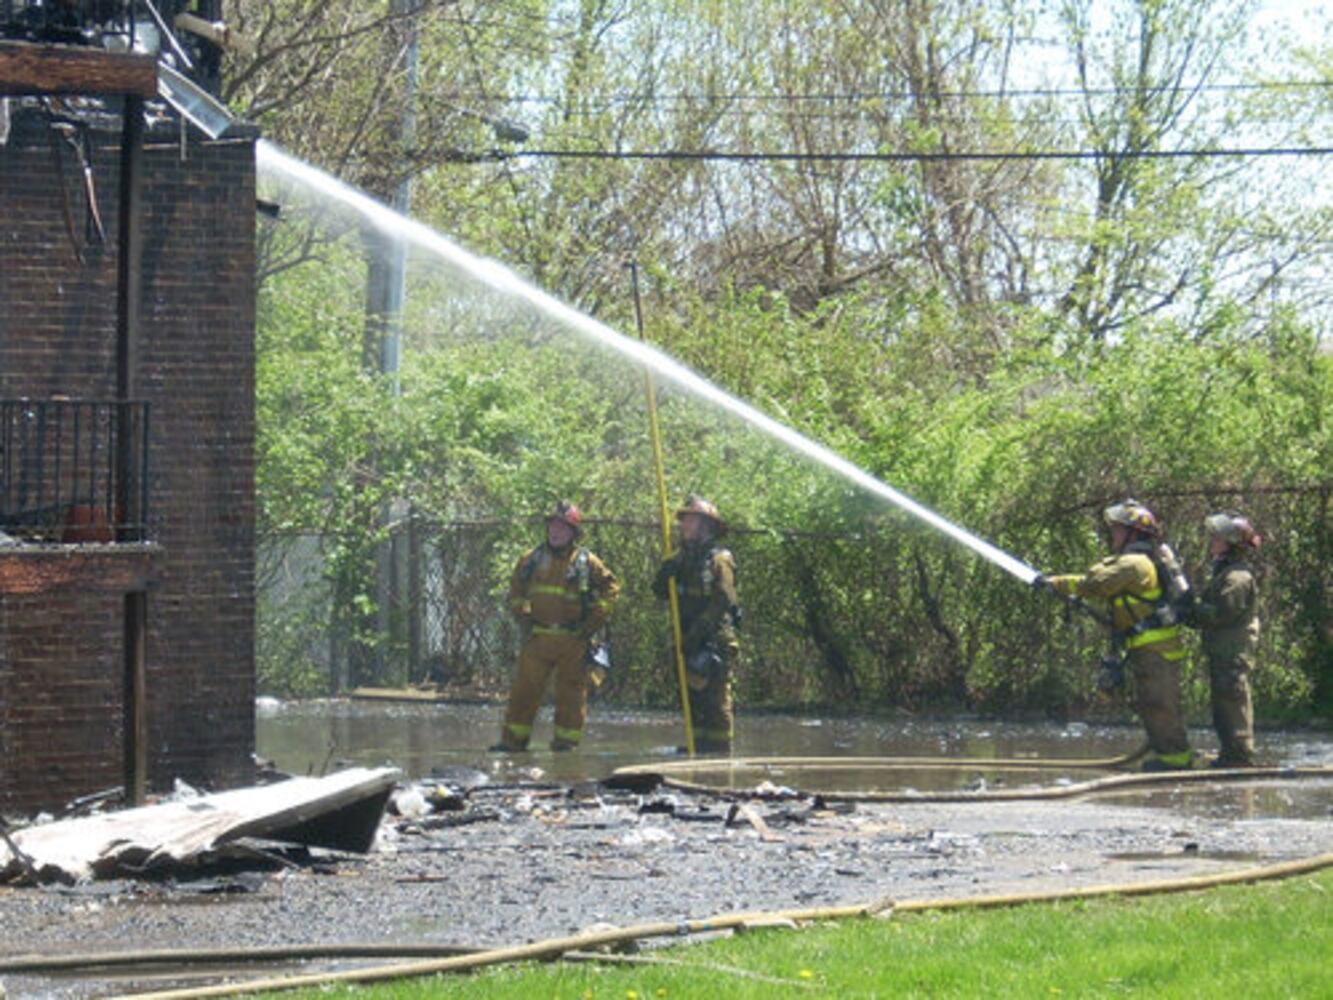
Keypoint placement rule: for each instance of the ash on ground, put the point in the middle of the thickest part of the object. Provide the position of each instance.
(506, 857)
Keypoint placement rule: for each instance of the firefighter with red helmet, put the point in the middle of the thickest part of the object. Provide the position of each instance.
(705, 574)
(561, 595)
(1134, 583)
(1226, 614)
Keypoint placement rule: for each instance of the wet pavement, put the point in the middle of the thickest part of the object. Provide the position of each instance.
(531, 846)
(310, 737)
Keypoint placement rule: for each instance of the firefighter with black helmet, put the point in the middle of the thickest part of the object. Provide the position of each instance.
(561, 595)
(1226, 615)
(1135, 584)
(705, 574)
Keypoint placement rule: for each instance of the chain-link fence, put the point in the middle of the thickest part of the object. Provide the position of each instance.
(889, 617)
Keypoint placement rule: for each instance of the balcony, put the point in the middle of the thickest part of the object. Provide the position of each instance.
(74, 495)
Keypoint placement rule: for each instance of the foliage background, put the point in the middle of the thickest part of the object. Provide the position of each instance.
(1014, 342)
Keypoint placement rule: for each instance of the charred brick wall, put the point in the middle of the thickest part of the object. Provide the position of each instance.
(61, 669)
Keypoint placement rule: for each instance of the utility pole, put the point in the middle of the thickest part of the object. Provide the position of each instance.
(386, 293)
(387, 279)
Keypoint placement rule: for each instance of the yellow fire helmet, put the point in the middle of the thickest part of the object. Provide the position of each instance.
(1133, 515)
(695, 504)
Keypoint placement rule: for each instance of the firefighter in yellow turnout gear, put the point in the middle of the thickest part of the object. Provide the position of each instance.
(709, 613)
(1131, 583)
(561, 594)
(1226, 615)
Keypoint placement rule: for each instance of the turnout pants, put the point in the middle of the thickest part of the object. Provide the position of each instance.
(1157, 701)
(711, 713)
(1233, 709)
(542, 656)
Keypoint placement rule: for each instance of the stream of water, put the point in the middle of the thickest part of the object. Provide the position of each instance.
(275, 164)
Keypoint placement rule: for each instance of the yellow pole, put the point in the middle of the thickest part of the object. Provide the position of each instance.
(672, 596)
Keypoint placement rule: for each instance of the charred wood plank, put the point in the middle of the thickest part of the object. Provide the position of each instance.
(27, 68)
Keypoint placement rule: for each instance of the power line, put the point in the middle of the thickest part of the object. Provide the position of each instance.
(790, 157)
(849, 97)
(864, 119)
(870, 119)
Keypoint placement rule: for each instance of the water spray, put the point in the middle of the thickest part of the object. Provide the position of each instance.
(502, 279)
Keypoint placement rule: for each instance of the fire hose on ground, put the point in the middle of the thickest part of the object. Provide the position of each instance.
(582, 944)
(667, 771)
(431, 959)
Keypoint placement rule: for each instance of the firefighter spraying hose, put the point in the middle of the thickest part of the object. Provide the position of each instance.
(1149, 599)
(657, 365)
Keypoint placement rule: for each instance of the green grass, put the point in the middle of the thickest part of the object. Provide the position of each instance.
(1267, 940)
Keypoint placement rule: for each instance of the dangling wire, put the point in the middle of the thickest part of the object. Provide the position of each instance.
(76, 134)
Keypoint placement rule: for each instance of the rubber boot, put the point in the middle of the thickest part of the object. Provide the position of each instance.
(1157, 763)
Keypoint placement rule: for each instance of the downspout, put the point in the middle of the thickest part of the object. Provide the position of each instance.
(127, 516)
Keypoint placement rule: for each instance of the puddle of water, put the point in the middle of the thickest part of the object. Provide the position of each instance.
(315, 736)
(308, 737)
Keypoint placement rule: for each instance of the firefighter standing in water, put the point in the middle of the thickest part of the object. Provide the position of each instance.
(1226, 615)
(1133, 583)
(561, 594)
(709, 613)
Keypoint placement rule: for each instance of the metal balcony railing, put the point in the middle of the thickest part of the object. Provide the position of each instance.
(73, 471)
(86, 22)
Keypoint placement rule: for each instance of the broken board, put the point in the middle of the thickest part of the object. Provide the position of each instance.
(341, 811)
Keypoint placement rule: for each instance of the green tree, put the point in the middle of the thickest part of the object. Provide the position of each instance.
(949, 326)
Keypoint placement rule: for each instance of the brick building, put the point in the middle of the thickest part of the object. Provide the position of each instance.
(126, 449)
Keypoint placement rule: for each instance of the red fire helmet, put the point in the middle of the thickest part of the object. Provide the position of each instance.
(568, 513)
